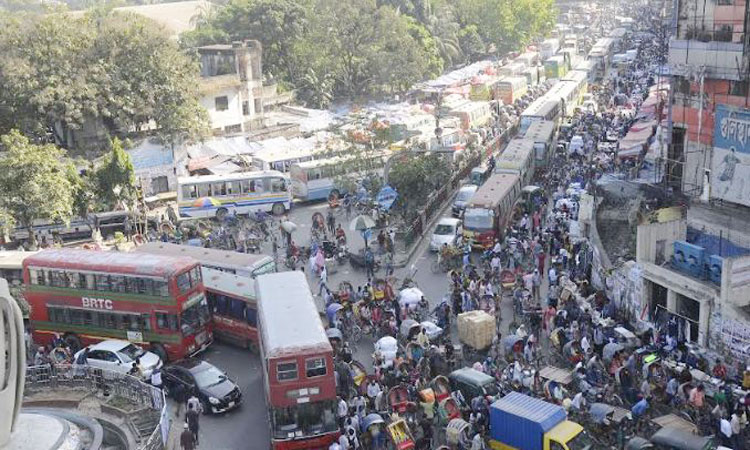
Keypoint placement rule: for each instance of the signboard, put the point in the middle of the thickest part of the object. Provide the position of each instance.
(135, 336)
(730, 174)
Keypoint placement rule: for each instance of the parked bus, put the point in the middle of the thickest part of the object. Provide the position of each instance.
(297, 359)
(281, 159)
(87, 296)
(581, 81)
(588, 68)
(316, 180)
(528, 59)
(510, 89)
(601, 54)
(532, 75)
(230, 289)
(569, 93)
(517, 158)
(549, 47)
(543, 108)
(556, 66)
(236, 193)
(488, 211)
(472, 114)
(542, 133)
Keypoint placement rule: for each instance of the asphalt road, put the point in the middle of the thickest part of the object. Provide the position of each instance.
(247, 426)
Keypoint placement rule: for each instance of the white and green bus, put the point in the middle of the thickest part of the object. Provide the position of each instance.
(236, 193)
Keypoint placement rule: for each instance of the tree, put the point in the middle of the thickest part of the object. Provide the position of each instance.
(114, 71)
(415, 178)
(34, 180)
(115, 180)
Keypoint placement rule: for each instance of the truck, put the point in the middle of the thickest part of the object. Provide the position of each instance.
(520, 422)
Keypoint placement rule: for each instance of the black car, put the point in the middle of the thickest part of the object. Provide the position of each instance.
(213, 388)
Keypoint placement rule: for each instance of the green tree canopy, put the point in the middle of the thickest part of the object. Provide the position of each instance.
(115, 179)
(35, 182)
(416, 177)
(112, 70)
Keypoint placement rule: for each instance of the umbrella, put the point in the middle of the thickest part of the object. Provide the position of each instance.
(371, 419)
(409, 297)
(331, 311)
(334, 333)
(610, 349)
(288, 226)
(204, 202)
(361, 222)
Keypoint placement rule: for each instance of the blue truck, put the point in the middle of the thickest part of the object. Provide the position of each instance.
(520, 422)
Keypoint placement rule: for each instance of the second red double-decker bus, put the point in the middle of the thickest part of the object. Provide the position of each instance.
(230, 288)
(87, 296)
(297, 360)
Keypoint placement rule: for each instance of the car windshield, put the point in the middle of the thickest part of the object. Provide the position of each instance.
(582, 441)
(208, 376)
(195, 317)
(304, 419)
(130, 352)
(443, 229)
(478, 219)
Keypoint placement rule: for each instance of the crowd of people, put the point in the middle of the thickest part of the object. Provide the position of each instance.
(542, 266)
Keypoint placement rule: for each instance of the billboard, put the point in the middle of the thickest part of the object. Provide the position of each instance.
(730, 174)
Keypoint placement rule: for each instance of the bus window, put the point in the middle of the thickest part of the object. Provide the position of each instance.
(278, 185)
(251, 316)
(189, 191)
(248, 186)
(102, 282)
(117, 283)
(233, 187)
(166, 321)
(183, 282)
(204, 190)
(219, 189)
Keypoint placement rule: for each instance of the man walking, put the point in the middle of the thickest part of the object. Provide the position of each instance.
(186, 439)
(192, 417)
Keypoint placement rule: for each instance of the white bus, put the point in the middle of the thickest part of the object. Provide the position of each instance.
(543, 108)
(518, 159)
(317, 180)
(281, 159)
(601, 55)
(237, 193)
(543, 135)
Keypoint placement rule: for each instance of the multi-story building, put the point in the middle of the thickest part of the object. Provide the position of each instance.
(709, 58)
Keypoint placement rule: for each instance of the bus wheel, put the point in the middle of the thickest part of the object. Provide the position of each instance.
(252, 346)
(278, 209)
(160, 351)
(221, 213)
(72, 341)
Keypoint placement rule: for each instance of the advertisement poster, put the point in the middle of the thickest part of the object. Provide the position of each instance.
(730, 175)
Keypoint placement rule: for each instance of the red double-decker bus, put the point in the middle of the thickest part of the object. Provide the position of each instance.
(87, 296)
(230, 288)
(297, 360)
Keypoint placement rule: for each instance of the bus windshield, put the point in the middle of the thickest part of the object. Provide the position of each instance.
(478, 219)
(304, 419)
(195, 317)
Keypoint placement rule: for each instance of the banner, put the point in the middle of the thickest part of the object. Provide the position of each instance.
(730, 166)
(386, 197)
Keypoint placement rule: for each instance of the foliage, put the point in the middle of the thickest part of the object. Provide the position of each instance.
(116, 71)
(115, 180)
(34, 180)
(360, 168)
(416, 177)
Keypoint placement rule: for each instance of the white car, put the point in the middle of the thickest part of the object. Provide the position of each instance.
(446, 231)
(119, 356)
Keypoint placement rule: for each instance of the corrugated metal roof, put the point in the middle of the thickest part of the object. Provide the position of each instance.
(547, 415)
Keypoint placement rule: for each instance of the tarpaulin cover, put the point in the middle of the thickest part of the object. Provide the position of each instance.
(520, 421)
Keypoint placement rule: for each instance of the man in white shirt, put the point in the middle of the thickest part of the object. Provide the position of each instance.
(323, 280)
(552, 276)
(495, 264)
(156, 378)
(373, 389)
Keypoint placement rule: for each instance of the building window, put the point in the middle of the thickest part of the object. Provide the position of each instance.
(725, 2)
(258, 106)
(222, 103)
(286, 371)
(233, 128)
(739, 88)
(245, 108)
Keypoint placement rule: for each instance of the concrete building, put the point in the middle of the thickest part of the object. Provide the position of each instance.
(699, 279)
(709, 59)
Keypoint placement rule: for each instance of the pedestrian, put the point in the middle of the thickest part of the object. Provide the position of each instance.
(373, 389)
(156, 378)
(331, 220)
(323, 280)
(194, 402)
(192, 417)
(369, 264)
(187, 442)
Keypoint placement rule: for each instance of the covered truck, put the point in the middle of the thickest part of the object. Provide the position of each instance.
(520, 422)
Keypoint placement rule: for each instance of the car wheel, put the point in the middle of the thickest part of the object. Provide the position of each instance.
(206, 407)
(278, 209)
(221, 213)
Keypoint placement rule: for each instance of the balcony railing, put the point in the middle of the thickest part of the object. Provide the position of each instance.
(141, 395)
